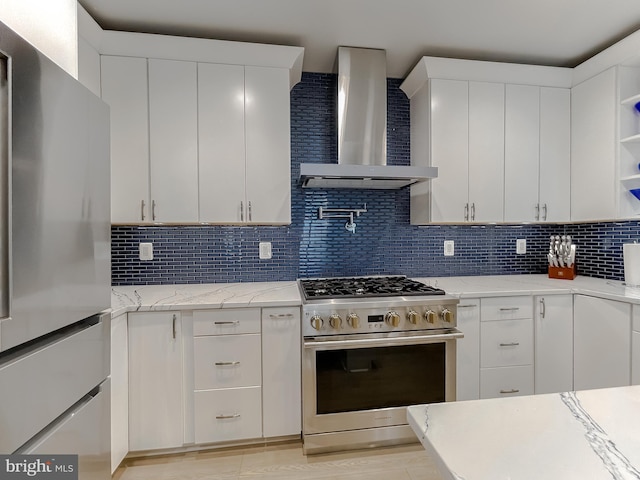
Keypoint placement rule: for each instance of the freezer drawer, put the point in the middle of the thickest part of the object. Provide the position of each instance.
(42, 382)
(83, 430)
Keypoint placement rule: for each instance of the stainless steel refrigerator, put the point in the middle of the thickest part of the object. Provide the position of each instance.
(55, 267)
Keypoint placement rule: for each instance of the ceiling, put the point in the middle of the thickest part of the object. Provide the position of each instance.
(545, 32)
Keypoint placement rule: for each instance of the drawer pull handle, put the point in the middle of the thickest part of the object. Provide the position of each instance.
(227, 417)
(513, 390)
(512, 344)
(467, 306)
(235, 322)
(226, 364)
(509, 309)
(280, 316)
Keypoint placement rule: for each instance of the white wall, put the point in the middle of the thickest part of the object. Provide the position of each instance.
(49, 25)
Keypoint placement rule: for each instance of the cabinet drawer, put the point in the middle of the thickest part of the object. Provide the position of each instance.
(506, 381)
(226, 361)
(506, 343)
(226, 321)
(228, 414)
(506, 308)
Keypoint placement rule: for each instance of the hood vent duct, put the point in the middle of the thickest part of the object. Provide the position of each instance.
(362, 130)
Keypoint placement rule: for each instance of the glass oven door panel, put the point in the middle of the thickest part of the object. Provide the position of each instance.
(380, 377)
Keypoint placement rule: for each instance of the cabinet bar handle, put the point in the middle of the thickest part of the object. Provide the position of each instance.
(468, 305)
(153, 210)
(142, 210)
(513, 390)
(473, 212)
(537, 211)
(174, 326)
(466, 212)
(543, 308)
(280, 316)
(509, 309)
(544, 209)
(250, 216)
(226, 364)
(242, 211)
(235, 322)
(512, 344)
(226, 417)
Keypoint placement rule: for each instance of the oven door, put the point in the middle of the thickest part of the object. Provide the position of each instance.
(367, 381)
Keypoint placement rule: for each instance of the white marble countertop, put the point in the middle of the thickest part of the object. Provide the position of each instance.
(592, 434)
(279, 294)
(200, 296)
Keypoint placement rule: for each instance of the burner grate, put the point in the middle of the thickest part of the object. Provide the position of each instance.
(360, 287)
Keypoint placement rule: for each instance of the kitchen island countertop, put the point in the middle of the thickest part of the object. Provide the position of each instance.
(592, 434)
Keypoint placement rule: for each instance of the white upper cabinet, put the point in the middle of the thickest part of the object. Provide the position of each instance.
(125, 90)
(522, 150)
(449, 150)
(221, 142)
(499, 135)
(195, 138)
(486, 151)
(173, 140)
(593, 148)
(554, 196)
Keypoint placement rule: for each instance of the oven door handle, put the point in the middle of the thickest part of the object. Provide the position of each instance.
(382, 342)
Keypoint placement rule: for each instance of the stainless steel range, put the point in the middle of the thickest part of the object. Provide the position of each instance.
(372, 346)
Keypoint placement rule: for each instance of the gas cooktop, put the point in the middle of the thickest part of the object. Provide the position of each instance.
(364, 287)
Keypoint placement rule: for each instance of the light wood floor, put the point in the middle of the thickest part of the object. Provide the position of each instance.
(284, 462)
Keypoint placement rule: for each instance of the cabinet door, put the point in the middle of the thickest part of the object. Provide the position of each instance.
(268, 145)
(124, 89)
(221, 142)
(486, 151)
(521, 157)
(468, 351)
(449, 149)
(281, 372)
(555, 154)
(601, 342)
(554, 344)
(593, 148)
(155, 381)
(119, 391)
(173, 140)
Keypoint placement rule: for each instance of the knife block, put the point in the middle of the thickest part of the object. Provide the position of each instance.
(564, 273)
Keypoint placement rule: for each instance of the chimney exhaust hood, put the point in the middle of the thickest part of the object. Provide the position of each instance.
(362, 130)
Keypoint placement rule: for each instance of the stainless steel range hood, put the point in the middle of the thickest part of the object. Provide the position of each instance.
(362, 130)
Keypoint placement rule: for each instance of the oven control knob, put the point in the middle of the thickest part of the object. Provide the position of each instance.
(393, 319)
(430, 316)
(447, 315)
(353, 320)
(316, 322)
(413, 317)
(335, 321)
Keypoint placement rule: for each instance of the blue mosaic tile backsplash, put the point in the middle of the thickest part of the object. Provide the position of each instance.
(384, 241)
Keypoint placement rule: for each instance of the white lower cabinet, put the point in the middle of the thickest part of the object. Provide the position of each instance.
(281, 371)
(227, 375)
(468, 350)
(506, 346)
(156, 392)
(602, 343)
(228, 414)
(506, 381)
(553, 343)
(635, 347)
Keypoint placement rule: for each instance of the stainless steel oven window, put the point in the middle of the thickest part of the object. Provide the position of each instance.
(370, 378)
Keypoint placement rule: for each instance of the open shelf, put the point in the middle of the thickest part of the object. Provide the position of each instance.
(631, 100)
(632, 139)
